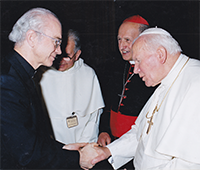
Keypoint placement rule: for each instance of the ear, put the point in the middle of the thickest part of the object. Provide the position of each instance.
(78, 54)
(162, 54)
(30, 37)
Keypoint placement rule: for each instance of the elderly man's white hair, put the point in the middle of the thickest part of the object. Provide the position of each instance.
(32, 19)
(156, 37)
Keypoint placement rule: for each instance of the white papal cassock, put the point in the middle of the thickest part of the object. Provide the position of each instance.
(173, 141)
(75, 90)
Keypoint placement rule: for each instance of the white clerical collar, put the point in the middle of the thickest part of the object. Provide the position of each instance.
(132, 62)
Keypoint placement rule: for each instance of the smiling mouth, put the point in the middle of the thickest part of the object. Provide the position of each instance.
(125, 52)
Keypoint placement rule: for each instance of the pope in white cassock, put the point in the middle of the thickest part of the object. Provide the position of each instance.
(73, 96)
(166, 133)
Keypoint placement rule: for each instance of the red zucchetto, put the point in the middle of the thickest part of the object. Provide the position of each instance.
(136, 19)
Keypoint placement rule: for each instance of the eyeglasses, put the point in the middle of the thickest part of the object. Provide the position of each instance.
(57, 41)
(67, 56)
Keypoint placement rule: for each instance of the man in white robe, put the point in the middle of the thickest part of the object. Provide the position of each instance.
(73, 96)
(166, 134)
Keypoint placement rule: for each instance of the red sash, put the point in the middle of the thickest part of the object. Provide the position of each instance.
(120, 123)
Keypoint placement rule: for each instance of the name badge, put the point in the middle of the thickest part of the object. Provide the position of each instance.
(72, 121)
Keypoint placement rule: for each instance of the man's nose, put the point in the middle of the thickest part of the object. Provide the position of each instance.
(124, 44)
(136, 69)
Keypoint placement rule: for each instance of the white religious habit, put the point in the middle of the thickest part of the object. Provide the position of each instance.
(172, 141)
(74, 102)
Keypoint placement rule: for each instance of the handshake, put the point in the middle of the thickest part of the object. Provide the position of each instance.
(90, 153)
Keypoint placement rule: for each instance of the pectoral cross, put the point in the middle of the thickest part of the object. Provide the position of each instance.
(151, 119)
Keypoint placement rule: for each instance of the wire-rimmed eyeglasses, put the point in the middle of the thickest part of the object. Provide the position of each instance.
(57, 41)
(67, 56)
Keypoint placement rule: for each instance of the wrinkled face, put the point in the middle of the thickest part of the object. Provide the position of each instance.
(66, 63)
(128, 31)
(147, 64)
(46, 51)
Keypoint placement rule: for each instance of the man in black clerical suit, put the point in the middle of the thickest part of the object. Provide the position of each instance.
(26, 134)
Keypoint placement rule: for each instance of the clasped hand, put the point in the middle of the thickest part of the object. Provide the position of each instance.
(90, 153)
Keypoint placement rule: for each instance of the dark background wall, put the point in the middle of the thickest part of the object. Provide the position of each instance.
(98, 22)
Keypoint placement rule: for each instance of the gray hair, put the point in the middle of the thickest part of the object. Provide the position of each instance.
(33, 19)
(143, 27)
(76, 38)
(156, 37)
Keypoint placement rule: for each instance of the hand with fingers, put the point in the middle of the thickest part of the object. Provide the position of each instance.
(104, 139)
(102, 154)
(87, 152)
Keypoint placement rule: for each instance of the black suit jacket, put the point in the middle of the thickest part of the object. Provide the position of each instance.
(137, 93)
(25, 131)
(25, 134)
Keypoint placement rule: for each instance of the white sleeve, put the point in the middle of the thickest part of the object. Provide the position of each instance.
(123, 149)
(91, 129)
